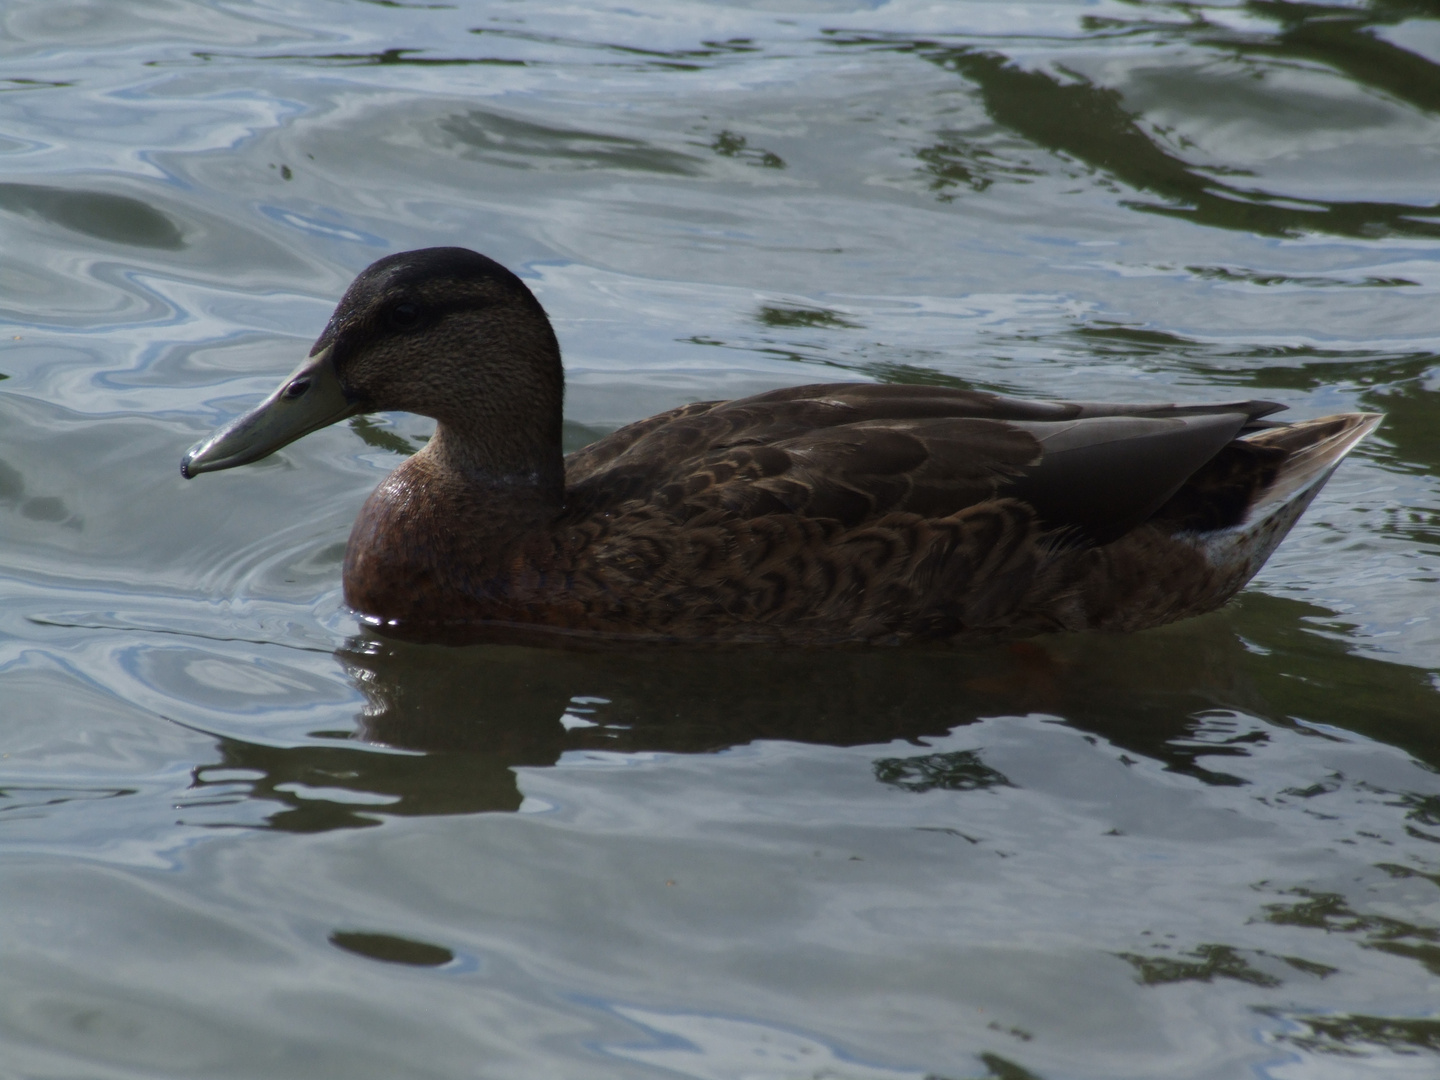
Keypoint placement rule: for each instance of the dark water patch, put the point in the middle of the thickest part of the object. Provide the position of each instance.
(1310, 967)
(730, 145)
(693, 59)
(1400, 389)
(12, 484)
(1015, 1032)
(1328, 786)
(1248, 661)
(17, 799)
(1133, 340)
(1357, 1034)
(958, 770)
(323, 788)
(1000, 1068)
(1210, 93)
(478, 713)
(1424, 809)
(1240, 275)
(391, 949)
(45, 508)
(522, 144)
(1398, 872)
(31, 84)
(392, 57)
(1427, 954)
(1315, 367)
(511, 700)
(1332, 913)
(808, 318)
(730, 47)
(119, 219)
(1205, 963)
(889, 371)
(1218, 736)
(957, 161)
(1340, 37)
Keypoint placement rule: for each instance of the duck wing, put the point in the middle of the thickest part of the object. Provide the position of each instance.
(855, 452)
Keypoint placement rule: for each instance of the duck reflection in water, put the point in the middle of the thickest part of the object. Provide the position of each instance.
(463, 720)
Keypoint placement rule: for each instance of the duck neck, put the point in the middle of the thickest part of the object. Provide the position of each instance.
(443, 535)
(516, 472)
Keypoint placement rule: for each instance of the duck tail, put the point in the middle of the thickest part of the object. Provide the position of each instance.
(1212, 535)
(1312, 450)
(1298, 458)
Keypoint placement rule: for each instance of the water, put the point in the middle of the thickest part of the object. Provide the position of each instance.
(239, 838)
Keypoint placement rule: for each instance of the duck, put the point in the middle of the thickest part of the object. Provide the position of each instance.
(818, 515)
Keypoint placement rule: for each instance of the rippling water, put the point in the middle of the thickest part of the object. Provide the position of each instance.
(240, 838)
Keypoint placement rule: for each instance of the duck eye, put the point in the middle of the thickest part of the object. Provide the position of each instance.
(403, 316)
(296, 388)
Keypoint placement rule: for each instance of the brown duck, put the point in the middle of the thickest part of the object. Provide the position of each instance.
(817, 514)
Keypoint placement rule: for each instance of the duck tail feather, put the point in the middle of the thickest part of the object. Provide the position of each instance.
(1313, 448)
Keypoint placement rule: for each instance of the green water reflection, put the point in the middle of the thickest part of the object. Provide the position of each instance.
(1066, 114)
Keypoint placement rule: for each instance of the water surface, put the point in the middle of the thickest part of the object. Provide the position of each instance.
(241, 838)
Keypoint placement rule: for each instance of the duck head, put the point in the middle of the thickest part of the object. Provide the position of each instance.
(442, 332)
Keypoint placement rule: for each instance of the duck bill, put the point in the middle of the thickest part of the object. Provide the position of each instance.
(311, 398)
